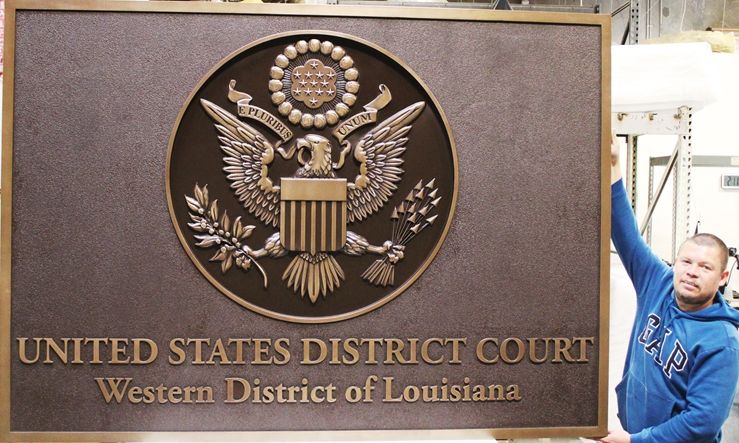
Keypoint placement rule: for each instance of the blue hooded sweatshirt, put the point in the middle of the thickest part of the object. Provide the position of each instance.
(681, 367)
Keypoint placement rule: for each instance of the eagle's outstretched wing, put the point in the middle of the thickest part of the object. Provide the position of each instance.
(247, 155)
(379, 154)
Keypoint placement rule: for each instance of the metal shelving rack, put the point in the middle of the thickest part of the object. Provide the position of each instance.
(698, 161)
(678, 123)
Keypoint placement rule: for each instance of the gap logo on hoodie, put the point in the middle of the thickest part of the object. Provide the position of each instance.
(653, 345)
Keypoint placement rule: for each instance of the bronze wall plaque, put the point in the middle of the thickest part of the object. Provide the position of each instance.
(409, 227)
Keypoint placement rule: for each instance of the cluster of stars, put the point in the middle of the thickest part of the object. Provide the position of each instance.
(305, 75)
(313, 83)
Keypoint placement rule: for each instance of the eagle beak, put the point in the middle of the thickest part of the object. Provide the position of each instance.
(302, 144)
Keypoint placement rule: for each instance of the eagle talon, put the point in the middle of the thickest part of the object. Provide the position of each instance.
(395, 258)
(393, 252)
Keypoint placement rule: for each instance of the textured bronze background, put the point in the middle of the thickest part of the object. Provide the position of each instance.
(94, 252)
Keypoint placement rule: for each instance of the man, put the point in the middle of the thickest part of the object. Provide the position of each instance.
(682, 362)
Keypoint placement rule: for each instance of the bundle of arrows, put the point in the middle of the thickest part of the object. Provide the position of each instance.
(410, 217)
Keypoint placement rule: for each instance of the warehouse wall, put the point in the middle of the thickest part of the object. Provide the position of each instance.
(714, 132)
(660, 17)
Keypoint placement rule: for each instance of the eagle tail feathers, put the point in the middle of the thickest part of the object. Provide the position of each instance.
(313, 275)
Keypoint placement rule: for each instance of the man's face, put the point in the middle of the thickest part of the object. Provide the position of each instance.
(698, 274)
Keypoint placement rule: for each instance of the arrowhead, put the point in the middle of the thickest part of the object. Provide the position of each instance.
(430, 184)
(435, 203)
(431, 220)
(418, 186)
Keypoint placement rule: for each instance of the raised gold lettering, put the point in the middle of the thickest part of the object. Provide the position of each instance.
(218, 352)
(282, 346)
(232, 384)
(532, 350)
(323, 351)
(118, 351)
(239, 345)
(562, 349)
(114, 389)
(480, 351)
(504, 351)
(174, 348)
(582, 342)
(22, 350)
(138, 351)
(425, 351)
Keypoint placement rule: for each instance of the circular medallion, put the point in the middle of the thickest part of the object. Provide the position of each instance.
(302, 196)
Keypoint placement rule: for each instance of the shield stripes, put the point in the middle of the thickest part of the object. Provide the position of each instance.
(313, 214)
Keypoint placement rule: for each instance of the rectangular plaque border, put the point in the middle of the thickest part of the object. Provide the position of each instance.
(11, 6)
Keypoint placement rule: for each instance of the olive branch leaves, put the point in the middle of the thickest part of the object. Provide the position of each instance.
(218, 230)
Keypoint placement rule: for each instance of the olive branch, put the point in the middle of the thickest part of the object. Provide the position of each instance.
(219, 231)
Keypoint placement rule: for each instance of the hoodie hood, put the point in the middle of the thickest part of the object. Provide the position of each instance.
(719, 310)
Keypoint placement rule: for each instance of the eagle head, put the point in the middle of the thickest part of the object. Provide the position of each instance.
(319, 164)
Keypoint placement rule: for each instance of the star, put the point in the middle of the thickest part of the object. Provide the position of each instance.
(314, 64)
(319, 91)
(331, 75)
(313, 101)
(298, 92)
(330, 92)
(319, 75)
(297, 75)
(313, 83)
(324, 83)
(309, 75)
(303, 82)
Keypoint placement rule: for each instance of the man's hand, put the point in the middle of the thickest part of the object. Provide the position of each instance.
(615, 163)
(616, 436)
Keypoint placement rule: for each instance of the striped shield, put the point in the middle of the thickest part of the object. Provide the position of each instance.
(313, 214)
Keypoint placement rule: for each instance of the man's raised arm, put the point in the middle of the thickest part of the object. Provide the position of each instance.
(640, 262)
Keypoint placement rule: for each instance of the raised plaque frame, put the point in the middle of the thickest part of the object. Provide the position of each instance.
(601, 22)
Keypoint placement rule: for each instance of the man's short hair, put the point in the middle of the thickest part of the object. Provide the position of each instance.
(705, 239)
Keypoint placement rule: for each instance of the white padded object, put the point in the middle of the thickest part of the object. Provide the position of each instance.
(652, 78)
